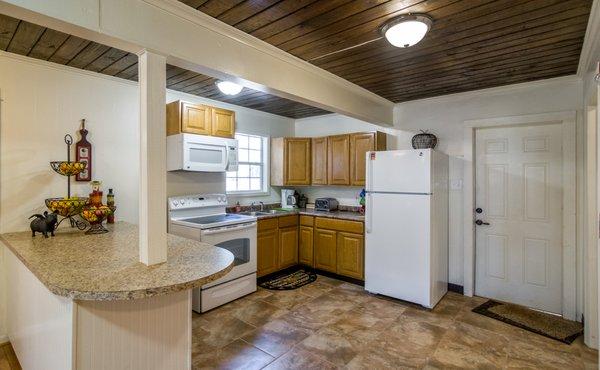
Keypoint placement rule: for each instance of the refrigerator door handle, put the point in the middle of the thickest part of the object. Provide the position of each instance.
(369, 217)
(369, 179)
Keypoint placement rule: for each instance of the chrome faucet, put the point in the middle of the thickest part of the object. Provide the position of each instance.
(262, 206)
(252, 207)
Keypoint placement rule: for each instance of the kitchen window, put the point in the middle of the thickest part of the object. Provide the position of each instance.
(251, 176)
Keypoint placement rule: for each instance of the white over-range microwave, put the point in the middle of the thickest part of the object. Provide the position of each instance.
(189, 152)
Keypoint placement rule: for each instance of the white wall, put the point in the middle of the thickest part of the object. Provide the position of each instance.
(44, 101)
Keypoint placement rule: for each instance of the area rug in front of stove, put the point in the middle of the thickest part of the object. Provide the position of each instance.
(289, 280)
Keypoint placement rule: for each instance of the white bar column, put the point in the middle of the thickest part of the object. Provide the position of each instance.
(153, 157)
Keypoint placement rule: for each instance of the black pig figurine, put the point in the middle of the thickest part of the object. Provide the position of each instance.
(43, 224)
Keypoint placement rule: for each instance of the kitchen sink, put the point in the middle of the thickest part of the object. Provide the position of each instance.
(273, 212)
(263, 213)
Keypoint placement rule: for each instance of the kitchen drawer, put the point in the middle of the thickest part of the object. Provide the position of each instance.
(339, 225)
(267, 224)
(287, 221)
(307, 220)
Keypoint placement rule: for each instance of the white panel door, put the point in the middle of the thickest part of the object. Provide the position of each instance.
(399, 171)
(519, 192)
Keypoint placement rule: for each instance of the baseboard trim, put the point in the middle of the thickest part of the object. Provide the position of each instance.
(339, 277)
(456, 288)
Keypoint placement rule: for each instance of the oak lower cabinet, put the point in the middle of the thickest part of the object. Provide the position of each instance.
(305, 246)
(200, 119)
(339, 247)
(267, 240)
(277, 244)
(288, 247)
(290, 161)
(350, 255)
(268, 252)
(325, 246)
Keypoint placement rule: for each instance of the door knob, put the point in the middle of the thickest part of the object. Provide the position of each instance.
(479, 223)
(478, 210)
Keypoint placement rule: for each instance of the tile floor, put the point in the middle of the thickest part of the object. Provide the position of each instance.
(331, 324)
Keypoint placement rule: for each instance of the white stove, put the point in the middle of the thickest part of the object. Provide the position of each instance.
(203, 217)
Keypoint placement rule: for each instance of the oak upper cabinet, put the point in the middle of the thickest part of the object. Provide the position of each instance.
(319, 161)
(360, 144)
(191, 118)
(290, 161)
(325, 249)
(267, 240)
(305, 241)
(223, 122)
(350, 255)
(338, 160)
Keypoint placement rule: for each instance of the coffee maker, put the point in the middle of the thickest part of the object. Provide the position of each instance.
(288, 198)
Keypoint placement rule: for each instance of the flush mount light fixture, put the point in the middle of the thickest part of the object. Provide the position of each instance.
(406, 30)
(229, 88)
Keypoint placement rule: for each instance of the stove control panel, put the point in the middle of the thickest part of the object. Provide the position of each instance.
(197, 201)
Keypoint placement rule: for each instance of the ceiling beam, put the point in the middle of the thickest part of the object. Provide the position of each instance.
(195, 41)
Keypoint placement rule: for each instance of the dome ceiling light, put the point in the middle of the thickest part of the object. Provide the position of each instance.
(406, 30)
(229, 88)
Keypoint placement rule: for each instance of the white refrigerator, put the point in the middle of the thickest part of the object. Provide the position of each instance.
(406, 222)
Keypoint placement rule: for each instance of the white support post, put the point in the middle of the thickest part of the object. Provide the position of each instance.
(153, 157)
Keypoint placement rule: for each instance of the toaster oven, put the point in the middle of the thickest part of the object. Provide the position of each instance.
(326, 204)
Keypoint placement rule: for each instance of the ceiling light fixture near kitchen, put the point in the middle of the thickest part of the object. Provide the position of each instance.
(229, 88)
(406, 30)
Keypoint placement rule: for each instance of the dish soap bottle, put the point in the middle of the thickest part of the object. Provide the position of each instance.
(110, 202)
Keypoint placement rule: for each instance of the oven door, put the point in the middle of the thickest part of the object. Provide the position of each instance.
(239, 240)
(205, 157)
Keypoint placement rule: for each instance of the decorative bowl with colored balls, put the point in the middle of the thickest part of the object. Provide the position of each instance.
(67, 168)
(66, 207)
(95, 215)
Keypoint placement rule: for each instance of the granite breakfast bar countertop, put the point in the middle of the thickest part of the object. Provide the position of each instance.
(106, 267)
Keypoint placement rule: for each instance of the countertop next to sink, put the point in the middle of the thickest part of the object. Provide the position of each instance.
(106, 267)
(342, 215)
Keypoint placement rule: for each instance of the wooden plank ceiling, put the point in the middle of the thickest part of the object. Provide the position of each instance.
(24, 38)
(473, 44)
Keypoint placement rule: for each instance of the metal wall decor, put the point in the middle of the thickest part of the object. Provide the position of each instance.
(68, 207)
(424, 140)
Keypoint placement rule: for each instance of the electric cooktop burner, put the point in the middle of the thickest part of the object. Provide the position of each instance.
(205, 220)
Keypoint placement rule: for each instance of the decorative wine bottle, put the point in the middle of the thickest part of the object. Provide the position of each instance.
(110, 202)
(83, 153)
